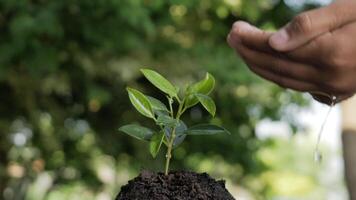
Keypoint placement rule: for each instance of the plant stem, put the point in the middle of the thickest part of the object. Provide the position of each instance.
(173, 136)
(169, 151)
(170, 100)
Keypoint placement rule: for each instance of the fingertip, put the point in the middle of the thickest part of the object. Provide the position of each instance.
(241, 27)
(229, 40)
(233, 40)
(240, 24)
(280, 40)
(228, 37)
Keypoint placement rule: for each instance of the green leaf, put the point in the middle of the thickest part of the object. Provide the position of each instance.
(205, 129)
(156, 143)
(179, 140)
(137, 131)
(166, 120)
(180, 133)
(204, 86)
(140, 102)
(207, 103)
(156, 104)
(160, 82)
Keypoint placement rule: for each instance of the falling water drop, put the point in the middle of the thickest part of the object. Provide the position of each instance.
(318, 157)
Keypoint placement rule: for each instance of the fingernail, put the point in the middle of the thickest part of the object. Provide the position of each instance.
(279, 39)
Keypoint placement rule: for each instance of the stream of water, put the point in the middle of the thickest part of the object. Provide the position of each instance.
(318, 156)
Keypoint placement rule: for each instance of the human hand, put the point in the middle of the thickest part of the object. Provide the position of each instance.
(311, 54)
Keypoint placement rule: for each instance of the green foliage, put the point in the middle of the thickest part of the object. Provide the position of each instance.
(141, 102)
(204, 87)
(207, 102)
(205, 129)
(160, 82)
(170, 122)
(137, 131)
(156, 143)
(157, 105)
(165, 120)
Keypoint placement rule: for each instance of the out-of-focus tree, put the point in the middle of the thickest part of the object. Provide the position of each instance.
(64, 66)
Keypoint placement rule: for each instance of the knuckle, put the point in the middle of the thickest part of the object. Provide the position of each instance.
(302, 23)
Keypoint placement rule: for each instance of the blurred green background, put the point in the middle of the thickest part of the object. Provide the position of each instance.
(64, 66)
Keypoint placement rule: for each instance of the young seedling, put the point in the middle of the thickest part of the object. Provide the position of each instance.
(172, 130)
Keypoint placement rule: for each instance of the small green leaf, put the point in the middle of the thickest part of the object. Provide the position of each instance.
(204, 86)
(180, 133)
(179, 140)
(205, 129)
(159, 112)
(160, 82)
(156, 143)
(181, 128)
(137, 131)
(166, 120)
(207, 103)
(156, 104)
(140, 102)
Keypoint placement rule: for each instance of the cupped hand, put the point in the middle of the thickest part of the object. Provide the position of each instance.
(315, 52)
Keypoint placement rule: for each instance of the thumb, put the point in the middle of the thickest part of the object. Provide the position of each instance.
(311, 24)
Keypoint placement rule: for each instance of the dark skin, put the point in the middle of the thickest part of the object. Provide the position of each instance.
(315, 52)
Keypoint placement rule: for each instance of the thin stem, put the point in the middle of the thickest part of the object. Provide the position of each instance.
(169, 151)
(173, 135)
(170, 102)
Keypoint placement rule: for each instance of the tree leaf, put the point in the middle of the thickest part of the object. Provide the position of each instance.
(166, 120)
(140, 102)
(179, 140)
(160, 82)
(137, 131)
(156, 104)
(204, 86)
(207, 103)
(181, 128)
(205, 129)
(156, 143)
(161, 112)
(180, 133)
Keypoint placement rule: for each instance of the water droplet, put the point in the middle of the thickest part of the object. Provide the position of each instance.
(318, 157)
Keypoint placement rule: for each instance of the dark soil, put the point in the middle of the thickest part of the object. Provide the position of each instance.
(176, 186)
